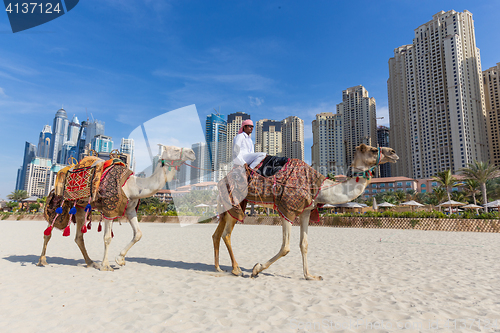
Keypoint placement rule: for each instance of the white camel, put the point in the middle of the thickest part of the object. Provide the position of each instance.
(135, 188)
(365, 159)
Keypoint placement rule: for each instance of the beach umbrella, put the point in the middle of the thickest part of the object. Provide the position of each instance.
(374, 206)
(495, 203)
(349, 205)
(413, 204)
(328, 206)
(472, 206)
(450, 204)
(201, 205)
(386, 204)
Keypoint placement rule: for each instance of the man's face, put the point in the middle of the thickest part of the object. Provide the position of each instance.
(248, 129)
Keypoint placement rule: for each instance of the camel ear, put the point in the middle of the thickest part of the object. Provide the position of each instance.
(362, 148)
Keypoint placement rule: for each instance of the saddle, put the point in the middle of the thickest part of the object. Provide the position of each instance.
(291, 190)
(271, 165)
(92, 180)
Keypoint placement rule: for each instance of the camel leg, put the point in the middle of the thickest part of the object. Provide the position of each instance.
(216, 239)
(43, 261)
(107, 240)
(80, 220)
(304, 224)
(226, 236)
(134, 223)
(285, 248)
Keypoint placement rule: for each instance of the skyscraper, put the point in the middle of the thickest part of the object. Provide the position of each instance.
(491, 80)
(436, 98)
(102, 143)
(73, 130)
(268, 137)
(328, 155)
(43, 149)
(127, 146)
(60, 135)
(198, 172)
(359, 120)
(383, 141)
(215, 134)
(94, 128)
(234, 121)
(29, 155)
(292, 129)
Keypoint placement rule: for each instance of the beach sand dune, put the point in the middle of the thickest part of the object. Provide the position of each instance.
(374, 280)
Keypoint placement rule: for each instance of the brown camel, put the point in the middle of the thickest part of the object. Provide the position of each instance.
(365, 159)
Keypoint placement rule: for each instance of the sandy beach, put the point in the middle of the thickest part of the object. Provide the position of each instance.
(374, 280)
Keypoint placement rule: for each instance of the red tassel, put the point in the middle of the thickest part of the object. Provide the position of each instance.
(84, 229)
(99, 228)
(89, 225)
(357, 179)
(48, 231)
(66, 231)
(112, 234)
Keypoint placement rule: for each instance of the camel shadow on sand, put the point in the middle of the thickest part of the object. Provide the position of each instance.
(185, 265)
(33, 259)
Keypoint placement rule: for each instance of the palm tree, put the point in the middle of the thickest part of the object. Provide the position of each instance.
(458, 196)
(399, 195)
(481, 172)
(446, 179)
(438, 195)
(411, 194)
(18, 195)
(471, 188)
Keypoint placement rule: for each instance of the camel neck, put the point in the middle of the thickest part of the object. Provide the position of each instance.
(346, 191)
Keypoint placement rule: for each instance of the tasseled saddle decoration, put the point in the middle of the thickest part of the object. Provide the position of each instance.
(72, 212)
(99, 228)
(59, 211)
(88, 210)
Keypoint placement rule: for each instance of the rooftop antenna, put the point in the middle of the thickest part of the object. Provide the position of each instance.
(217, 112)
(86, 112)
(92, 116)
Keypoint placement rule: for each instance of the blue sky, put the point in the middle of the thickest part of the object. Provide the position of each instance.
(126, 62)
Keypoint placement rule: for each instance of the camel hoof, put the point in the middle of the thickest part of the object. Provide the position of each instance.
(42, 262)
(237, 272)
(314, 278)
(106, 268)
(120, 260)
(218, 269)
(256, 270)
(93, 265)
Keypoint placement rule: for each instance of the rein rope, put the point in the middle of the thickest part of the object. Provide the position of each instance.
(173, 163)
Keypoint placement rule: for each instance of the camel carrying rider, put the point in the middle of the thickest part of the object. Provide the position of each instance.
(243, 149)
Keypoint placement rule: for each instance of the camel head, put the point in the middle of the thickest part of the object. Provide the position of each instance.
(176, 155)
(367, 157)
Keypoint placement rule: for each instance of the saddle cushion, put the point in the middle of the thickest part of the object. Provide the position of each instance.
(291, 190)
(271, 165)
(80, 181)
